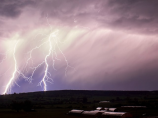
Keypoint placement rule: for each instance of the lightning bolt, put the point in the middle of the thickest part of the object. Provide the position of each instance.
(15, 70)
(53, 45)
(52, 35)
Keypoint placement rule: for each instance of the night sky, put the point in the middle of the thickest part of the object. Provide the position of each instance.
(95, 45)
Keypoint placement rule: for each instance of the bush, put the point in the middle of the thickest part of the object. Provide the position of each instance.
(26, 105)
(16, 105)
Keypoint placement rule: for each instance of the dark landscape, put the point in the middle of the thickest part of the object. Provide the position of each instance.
(57, 104)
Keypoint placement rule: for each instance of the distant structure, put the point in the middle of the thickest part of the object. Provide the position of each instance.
(113, 109)
(134, 106)
(107, 109)
(75, 112)
(100, 108)
(91, 113)
(116, 115)
(104, 102)
(100, 114)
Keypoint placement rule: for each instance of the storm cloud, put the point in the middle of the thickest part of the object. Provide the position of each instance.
(109, 44)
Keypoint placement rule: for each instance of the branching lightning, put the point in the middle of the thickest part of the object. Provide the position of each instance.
(46, 77)
(53, 44)
(51, 41)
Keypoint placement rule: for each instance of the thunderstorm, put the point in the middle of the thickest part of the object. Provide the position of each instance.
(53, 43)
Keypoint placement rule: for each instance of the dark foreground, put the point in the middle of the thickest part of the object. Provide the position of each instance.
(57, 103)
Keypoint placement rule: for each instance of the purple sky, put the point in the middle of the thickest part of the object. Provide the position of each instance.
(97, 45)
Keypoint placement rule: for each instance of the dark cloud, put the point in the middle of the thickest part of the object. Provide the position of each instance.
(130, 15)
(14, 8)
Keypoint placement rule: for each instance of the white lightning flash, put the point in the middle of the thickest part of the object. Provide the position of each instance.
(53, 36)
(53, 43)
(15, 70)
